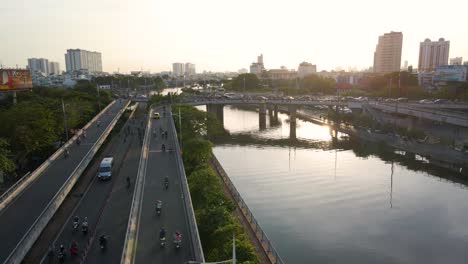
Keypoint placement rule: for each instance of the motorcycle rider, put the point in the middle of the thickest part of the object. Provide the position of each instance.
(103, 241)
(158, 206)
(177, 239)
(76, 222)
(166, 182)
(84, 225)
(162, 236)
(163, 147)
(61, 254)
(74, 248)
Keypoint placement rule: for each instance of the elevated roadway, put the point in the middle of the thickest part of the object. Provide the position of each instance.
(20, 213)
(159, 165)
(107, 204)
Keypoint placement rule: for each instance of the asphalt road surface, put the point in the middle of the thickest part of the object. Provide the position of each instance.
(172, 218)
(18, 217)
(106, 204)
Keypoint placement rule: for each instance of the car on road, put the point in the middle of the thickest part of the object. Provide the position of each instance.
(105, 168)
(156, 115)
(426, 101)
(442, 101)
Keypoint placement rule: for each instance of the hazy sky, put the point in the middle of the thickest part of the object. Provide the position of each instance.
(225, 35)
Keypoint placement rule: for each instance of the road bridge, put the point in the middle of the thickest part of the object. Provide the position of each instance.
(142, 242)
(25, 209)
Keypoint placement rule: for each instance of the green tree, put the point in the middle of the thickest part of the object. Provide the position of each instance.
(6, 165)
(317, 84)
(200, 152)
(251, 82)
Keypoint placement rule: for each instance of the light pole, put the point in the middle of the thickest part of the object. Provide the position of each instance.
(99, 97)
(180, 128)
(64, 120)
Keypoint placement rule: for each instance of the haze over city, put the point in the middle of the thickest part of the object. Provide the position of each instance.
(150, 35)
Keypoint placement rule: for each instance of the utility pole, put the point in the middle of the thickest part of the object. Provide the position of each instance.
(64, 120)
(244, 83)
(180, 130)
(99, 97)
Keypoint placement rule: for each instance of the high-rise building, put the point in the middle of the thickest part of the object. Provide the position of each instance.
(189, 69)
(257, 67)
(433, 54)
(78, 59)
(305, 69)
(54, 68)
(39, 65)
(387, 55)
(456, 61)
(178, 69)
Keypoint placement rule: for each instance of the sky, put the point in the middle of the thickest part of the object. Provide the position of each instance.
(221, 35)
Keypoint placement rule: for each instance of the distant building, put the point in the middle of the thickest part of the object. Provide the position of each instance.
(387, 55)
(456, 61)
(242, 71)
(54, 68)
(257, 67)
(281, 74)
(39, 65)
(190, 69)
(78, 59)
(433, 54)
(178, 69)
(405, 67)
(305, 69)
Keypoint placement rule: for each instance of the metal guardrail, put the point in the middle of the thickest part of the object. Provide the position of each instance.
(131, 237)
(35, 230)
(16, 189)
(192, 222)
(259, 233)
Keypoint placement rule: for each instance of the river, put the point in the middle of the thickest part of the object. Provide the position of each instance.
(325, 199)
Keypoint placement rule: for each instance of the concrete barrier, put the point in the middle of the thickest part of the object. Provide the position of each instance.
(35, 230)
(131, 237)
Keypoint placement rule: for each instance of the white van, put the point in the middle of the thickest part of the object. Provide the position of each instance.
(105, 168)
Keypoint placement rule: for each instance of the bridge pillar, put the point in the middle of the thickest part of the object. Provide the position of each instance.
(276, 112)
(217, 110)
(292, 121)
(262, 117)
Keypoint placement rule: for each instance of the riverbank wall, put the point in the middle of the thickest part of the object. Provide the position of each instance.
(264, 248)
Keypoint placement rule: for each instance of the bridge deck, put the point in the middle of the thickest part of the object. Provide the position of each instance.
(173, 217)
(18, 217)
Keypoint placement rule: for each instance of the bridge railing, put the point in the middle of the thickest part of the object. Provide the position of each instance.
(192, 222)
(36, 228)
(262, 237)
(131, 236)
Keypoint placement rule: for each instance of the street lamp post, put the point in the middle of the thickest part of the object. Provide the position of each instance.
(99, 97)
(180, 128)
(64, 120)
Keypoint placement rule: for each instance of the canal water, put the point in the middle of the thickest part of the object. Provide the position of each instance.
(323, 198)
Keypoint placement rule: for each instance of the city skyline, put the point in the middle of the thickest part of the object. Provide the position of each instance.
(132, 37)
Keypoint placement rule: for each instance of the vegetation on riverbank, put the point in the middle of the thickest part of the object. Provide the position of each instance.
(33, 128)
(213, 210)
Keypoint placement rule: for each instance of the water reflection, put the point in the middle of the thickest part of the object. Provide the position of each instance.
(324, 198)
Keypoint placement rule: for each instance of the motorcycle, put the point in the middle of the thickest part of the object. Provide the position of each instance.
(158, 210)
(162, 241)
(177, 240)
(163, 147)
(103, 243)
(75, 225)
(84, 229)
(166, 185)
